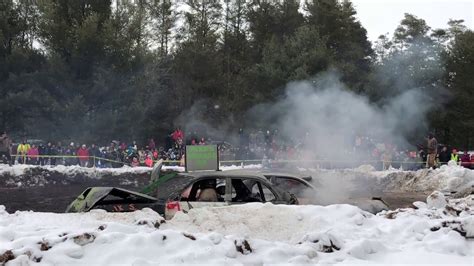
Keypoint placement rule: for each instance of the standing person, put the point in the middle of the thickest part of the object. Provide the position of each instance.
(70, 152)
(432, 151)
(83, 154)
(94, 154)
(177, 135)
(466, 160)
(42, 160)
(5, 147)
(455, 156)
(22, 151)
(32, 155)
(151, 144)
(444, 156)
(53, 152)
(59, 151)
(48, 151)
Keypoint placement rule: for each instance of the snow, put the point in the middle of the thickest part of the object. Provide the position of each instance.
(20, 169)
(243, 234)
(436, 200)
(451, 177)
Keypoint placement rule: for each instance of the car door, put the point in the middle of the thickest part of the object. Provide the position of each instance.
(190, 197)
(304, 193)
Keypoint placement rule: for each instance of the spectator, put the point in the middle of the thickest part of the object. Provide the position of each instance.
(53, 151)
(47, 153)
(177, 135)
(135, 162)
(83, 154)
(32, 155)
(455, 156)
(22, 151)
(42, 160)
(151, 144)
(149, 161)
(466, 160)
(59, 151)
(70, 152)
(472, 161)
(94, 154)
(142, 156)
(202, 141)
(5, 147)
(432, 151)
(444, 155)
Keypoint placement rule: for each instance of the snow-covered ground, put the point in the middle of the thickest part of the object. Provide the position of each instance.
(255, 234)
(435, 232)
(20, 169)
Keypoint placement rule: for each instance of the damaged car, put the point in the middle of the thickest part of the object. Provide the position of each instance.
(175, 191)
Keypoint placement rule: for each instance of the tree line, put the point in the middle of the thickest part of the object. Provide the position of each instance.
(99, 70)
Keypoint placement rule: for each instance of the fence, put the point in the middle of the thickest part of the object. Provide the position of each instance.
(324, 164)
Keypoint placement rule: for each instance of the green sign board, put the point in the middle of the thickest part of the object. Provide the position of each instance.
(201, 157)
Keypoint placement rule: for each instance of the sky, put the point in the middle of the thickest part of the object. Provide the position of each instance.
(383, 16)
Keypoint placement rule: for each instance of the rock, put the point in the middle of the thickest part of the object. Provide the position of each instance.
(436, 200)
(468, 225)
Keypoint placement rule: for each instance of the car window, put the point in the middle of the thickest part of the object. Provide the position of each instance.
(290, 185)
(242, 193)
(207, 190)
(269, 196)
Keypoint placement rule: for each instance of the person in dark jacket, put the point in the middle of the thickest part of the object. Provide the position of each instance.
(444, 155)
(42, 152)
(53, 151)
(94, 154)
(5, 147)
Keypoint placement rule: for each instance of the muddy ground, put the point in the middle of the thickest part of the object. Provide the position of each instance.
(52, 191)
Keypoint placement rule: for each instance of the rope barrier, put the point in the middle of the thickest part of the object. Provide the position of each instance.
(241, 162)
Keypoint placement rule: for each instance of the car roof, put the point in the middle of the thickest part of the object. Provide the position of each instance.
(276, 173)
(229, 173)
(182, 179)
(267, 172)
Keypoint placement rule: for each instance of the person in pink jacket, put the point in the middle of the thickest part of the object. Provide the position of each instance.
(32, 155)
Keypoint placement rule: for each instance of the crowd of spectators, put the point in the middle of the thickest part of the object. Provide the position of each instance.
(257, 145)
(354, 152)
(115, 154)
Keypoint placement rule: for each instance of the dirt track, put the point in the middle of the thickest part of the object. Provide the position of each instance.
(47, 190)
(50, 191)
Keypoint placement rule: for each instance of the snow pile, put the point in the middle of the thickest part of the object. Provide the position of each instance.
(22, 175)
(450, 177)
(21, 169)
(247, 234)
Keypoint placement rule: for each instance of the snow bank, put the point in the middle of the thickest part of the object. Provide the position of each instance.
(20, 169)
(245, 234)
(21, 175)
(450, 177)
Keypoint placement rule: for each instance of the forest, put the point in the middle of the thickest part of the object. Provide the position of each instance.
(96, 70)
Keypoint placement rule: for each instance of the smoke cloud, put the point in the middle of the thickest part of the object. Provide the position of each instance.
(328, 115)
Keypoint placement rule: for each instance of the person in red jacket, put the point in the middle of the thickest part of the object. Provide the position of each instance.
(177, 135)
(149, 161)
(83, 154)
